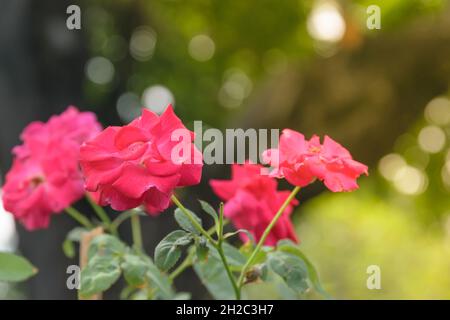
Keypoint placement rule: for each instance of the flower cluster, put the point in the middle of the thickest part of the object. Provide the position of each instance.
(142, 163)
(45, 176)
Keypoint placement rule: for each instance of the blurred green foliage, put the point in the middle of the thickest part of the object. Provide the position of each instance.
(345, 233)
(259, 38)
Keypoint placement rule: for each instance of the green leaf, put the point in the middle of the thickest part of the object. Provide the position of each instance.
(106, 245)
(99, 275)
(234, 256)
(214, 277)
(14, 268)
(184, 221)
(202, 249)
(292, 269)
(291, 247)
(209, 210)
(68, 248)
(264, 270)
(168, 251)
(103, 269)
(134, 270)
(158, 284)
(159, 280)
(247, 250)
(127, 292)
(142, 294)
(285, 292)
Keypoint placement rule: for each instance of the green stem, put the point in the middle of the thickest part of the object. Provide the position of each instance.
(221, 223)
(101, 213)
(237, 292)
(136, 231)
(192, 220)
(265, 235)
(79, 217)
(124, 216)
(219, 249)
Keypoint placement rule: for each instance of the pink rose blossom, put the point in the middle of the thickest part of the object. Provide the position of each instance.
(252, 200)
(301, 161)
(137, 164)
(45, 176)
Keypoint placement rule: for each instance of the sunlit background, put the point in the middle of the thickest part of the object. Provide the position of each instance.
(313, 66)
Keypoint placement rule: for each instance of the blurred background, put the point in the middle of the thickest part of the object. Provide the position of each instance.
(313, 66)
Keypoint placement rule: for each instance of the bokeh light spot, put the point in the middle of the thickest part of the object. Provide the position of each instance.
(325, 22)
(390, 164)
(142, 43)
(157, 98)
(445, 175)
(432, 139)
(437, 111)
(236, 87)
(128, 106)
(201, 48)
(411, 181)
(99, 70)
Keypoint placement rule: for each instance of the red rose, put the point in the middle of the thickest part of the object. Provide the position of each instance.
(252, 200)
(45, 176)
(301, 161)
(138, 164)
